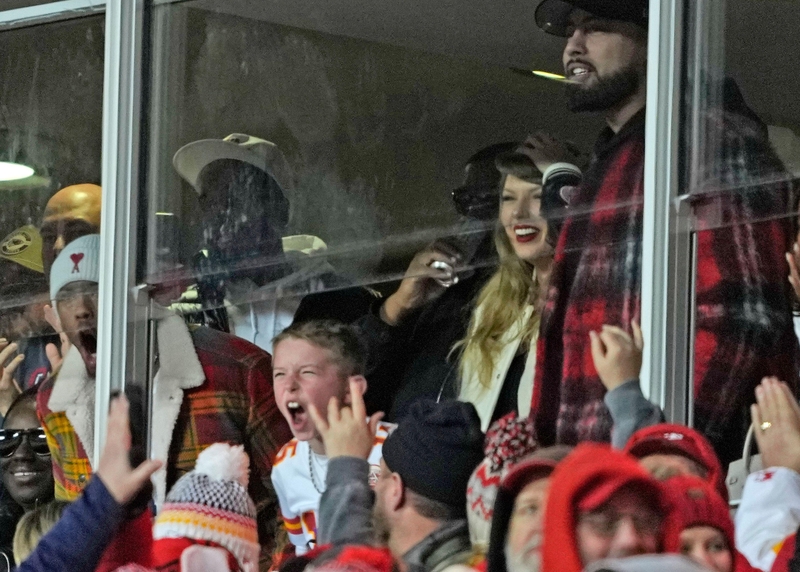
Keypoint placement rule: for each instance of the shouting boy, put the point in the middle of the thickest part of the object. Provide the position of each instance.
(317, 365)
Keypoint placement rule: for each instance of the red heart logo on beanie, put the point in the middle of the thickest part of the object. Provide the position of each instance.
(76, 259)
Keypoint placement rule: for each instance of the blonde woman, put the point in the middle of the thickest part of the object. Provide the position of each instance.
(34, 525)
(498, 354)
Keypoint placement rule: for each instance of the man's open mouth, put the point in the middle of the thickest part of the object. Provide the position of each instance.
(88, 348)
(579, 71)
(88, 339)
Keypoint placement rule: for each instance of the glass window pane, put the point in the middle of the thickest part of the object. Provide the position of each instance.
(740, 159)
(16, 4)
(51, 94)
(298, 153)
(374, 119)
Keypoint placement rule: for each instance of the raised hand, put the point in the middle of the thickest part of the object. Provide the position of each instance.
(55, 355)
(9, 388)
(347, 432)
(425, 279)
(544, 150)
(776, 416)
(114, 467)
(617, 355)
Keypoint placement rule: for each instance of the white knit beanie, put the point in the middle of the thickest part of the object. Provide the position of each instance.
(211, 503)
(80, 260)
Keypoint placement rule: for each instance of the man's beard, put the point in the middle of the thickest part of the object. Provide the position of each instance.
(380, 525)
(607, 93)
(528, 561)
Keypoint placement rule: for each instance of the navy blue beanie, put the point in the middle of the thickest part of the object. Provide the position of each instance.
(435, 448)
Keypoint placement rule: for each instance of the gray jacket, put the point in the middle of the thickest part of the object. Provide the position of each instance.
(345, 517)
(630, 411)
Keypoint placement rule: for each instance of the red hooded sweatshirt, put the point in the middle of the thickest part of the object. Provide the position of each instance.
(591, 469)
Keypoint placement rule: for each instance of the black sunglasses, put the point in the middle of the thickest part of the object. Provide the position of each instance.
(11, 439)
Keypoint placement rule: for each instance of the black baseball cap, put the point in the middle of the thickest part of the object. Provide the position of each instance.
(552, 16)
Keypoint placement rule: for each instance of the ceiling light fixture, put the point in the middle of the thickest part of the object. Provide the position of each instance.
(14, 171)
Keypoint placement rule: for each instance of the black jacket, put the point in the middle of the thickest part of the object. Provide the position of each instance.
(412, 360)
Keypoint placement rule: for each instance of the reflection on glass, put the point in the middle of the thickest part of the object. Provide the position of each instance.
(739, 183)
(374, 135)
(50, 138)
(50, 127)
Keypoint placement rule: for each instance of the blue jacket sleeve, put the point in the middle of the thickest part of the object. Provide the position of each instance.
(78, 540)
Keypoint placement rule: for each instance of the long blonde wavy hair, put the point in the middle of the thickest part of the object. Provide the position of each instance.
(506, 294)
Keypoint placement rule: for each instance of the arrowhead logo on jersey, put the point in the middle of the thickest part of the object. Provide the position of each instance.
(374, 473)
(16, 244)
(764, 476)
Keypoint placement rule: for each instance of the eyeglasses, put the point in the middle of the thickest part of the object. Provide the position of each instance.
(607, 524)
(11, 439)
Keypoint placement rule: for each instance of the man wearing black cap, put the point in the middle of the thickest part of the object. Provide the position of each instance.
(418, 508)
(743, 323)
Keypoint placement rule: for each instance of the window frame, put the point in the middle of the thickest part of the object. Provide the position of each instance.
(125, 311)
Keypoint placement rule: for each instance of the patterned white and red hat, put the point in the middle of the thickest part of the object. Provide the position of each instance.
(508, 440)
(211, 503)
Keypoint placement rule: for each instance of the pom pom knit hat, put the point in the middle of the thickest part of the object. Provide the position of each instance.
(211, 503)
(508, 440)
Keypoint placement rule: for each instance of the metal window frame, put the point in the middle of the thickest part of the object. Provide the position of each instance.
(119, 317)
(667, 248)
(123, 312)
(50, 12)
(668, 260)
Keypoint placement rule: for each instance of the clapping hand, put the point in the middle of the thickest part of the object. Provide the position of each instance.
(55, 355)
(776, 416)
(347, 432)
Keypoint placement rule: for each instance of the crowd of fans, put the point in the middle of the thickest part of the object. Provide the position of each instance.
(480, 417)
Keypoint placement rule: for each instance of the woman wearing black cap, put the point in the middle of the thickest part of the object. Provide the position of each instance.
(498, 354)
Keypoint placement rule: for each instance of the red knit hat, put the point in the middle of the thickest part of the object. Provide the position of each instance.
(358, 559)
(589, 476)
(672, 439)
(694, 502)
